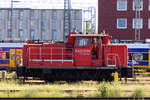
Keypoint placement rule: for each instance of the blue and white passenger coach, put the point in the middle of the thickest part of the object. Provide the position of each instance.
(139, 55)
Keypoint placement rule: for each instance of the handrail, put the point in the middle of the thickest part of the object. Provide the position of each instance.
(60, 52)
(114, 58)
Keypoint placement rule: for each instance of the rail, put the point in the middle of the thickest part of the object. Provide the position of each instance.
(50, 54)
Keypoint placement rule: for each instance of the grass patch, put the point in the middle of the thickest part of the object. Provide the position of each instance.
(109, 90)
(56, 89)
(138, 93)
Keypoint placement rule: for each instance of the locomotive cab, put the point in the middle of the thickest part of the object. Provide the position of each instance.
(87, 50)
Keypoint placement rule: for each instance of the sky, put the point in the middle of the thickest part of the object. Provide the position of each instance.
(48, 4)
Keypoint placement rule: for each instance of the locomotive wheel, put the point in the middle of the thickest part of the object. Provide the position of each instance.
(47, 79)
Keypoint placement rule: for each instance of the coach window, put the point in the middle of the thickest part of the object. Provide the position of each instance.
(7, 55)
(12, 55)
(145, 56)
(82, 41)
(130, 56)
(1, 54)
(4, 55)
(138, 56)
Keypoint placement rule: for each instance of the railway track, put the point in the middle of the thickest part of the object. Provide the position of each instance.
(62, 91)
(111, 98)
(131, 82)
(139, 78)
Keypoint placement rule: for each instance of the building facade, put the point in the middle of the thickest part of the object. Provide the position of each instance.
(33, 24)
(119, 18)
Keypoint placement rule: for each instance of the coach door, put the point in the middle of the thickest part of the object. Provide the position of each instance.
(15, 57)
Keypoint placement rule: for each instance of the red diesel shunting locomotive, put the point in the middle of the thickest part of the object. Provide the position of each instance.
(82, 57)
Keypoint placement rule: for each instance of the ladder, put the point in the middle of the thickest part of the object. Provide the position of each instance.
(67, 18)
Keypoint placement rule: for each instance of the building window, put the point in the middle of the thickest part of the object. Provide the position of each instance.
(43, 35)
(32, 24)
(137, 23)
(121, 23)
(54, 24)
(9, 35)
(21, 15)
(1, 34)
(78, 15)
(149, 23)
(42, 24)
(20, 24)
(54, 14)
(20, 34)
(43, 14)
(137, 4)
(121, 5)
(8, 24)
(32, 13)
(148, 4)
(9, 15)
(32, 34)
(50, 24)
(1, 15)
(54, 35)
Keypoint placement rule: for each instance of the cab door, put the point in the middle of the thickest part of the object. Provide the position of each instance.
(96, 52)
(15, 57)
(82, 52)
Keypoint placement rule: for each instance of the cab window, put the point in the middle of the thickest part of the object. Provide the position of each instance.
(82, 41)
(95, 41)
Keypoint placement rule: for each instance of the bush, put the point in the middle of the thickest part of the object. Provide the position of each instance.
(108, 90)
(104, 89)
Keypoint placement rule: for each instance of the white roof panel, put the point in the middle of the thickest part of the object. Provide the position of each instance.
(11, 45)
(138, 45)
